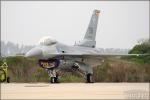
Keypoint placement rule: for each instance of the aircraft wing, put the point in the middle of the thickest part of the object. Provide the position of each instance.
(95, 55)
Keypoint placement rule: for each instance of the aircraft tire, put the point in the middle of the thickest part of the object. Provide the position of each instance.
(89, 78)
(8, 79)
(54, 79)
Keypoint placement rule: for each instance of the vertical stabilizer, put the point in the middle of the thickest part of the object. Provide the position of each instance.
(89, 38)
(91, 31)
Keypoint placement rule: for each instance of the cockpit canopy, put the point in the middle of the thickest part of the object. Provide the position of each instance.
(47, 41)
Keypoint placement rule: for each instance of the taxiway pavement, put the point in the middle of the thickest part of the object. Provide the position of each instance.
(75, 91)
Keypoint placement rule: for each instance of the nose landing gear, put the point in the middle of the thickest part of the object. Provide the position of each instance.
(54, 79)
(50, 66)
(53, 76)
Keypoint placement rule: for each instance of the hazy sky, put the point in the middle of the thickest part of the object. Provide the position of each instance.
(121, 23)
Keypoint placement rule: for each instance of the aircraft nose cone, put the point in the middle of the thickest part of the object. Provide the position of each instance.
(35, 52)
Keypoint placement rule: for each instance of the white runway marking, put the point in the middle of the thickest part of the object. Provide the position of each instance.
(75, 91)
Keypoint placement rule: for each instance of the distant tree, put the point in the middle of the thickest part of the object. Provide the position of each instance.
(141, 48)
(9, 48)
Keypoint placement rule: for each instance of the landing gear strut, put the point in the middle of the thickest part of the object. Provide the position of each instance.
(53, 76)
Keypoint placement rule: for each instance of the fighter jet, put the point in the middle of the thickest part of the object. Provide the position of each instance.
(54, 56)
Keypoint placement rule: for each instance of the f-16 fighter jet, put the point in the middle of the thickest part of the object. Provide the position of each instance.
(54, 56)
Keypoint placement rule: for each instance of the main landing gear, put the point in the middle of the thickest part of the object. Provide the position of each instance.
(89, 78)
(85, 69)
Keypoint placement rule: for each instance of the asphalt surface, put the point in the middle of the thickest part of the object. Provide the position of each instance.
(75, 91)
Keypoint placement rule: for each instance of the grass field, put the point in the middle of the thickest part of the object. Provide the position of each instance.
(112, 70)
